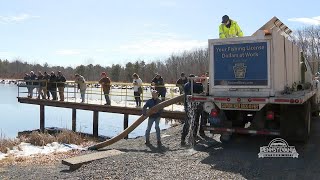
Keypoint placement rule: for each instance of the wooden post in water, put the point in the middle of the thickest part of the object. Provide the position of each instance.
(95, 123)
(74, 119)
(42, 118)
(125, 123)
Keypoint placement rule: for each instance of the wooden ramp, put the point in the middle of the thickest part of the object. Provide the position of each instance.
(124, 133)
(78, 161)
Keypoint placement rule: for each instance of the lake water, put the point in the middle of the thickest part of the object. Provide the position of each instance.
(15, 117)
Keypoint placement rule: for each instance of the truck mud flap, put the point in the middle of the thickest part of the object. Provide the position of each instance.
(295, 122)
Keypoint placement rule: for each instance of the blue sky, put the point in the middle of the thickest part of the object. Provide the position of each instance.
(106, 32)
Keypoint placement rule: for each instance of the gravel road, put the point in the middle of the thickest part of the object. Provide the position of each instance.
(210, 159)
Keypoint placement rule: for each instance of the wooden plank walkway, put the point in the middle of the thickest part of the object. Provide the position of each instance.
(100, 108)
(76, 162)
(95, 108)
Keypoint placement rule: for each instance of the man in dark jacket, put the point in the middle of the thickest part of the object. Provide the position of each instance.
(155, 117)
(26, 78)
(197, 88)
(60, 84)
(158, 83)
(181, 82)
(53, 85)
(34, 83)
(46, 77)
(42, 85)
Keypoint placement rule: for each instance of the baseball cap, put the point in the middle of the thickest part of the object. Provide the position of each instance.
(225, 19)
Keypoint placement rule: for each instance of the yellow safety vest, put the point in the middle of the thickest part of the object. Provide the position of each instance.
(231, 32)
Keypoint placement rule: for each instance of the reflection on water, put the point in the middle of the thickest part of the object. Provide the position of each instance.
(16, 117)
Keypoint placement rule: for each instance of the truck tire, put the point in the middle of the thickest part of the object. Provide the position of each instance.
(315, 114)
(259, 120)
(295, 121)
(225, 138)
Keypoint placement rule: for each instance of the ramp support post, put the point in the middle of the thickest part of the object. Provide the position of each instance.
(74, 119)
(42, 118)
(95, 123)
(126, 123)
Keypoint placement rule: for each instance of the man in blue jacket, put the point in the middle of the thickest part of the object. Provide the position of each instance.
(155, 117)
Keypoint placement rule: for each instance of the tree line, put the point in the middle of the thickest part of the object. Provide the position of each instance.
(194, 61)
(308, 39)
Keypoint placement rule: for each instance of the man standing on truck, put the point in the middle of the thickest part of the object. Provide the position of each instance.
(229, 28)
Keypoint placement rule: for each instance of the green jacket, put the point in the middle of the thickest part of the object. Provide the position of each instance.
(233, 31)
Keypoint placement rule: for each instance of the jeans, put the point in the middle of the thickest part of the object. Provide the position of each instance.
(137, 98)
(150, 122)
(106, 96)
(83, 93)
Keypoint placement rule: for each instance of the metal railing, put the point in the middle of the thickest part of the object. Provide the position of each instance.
(120, 93)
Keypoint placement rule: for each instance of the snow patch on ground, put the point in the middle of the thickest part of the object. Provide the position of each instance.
(26, 149)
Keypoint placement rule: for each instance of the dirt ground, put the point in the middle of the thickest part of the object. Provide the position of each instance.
(209, 159)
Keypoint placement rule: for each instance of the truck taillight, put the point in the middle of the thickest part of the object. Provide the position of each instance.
(270, 115)
(214, 113)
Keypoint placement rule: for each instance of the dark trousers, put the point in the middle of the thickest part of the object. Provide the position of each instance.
(53, 92)
(162, 93)
(204, 118)
(199, 121)
(137, 98)
(106, 96)
(186, 124)
(181, 90)
(48, 92)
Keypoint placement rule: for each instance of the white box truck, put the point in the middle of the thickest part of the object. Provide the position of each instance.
(258, 84)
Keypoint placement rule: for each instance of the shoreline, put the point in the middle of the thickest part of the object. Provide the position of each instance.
(209, 159)
(87, 138)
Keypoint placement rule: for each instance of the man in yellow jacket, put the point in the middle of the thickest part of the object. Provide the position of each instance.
(229, 28)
